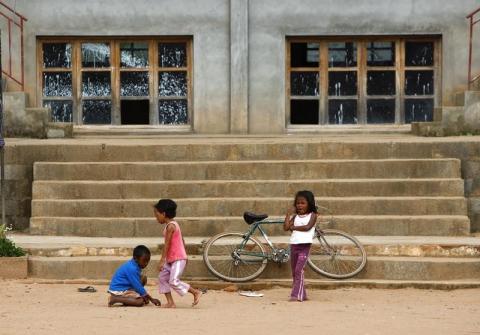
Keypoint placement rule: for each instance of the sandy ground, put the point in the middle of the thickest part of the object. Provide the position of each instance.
(59, 309)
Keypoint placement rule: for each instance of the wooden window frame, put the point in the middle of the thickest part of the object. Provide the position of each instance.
(361, 68)
(115, 69)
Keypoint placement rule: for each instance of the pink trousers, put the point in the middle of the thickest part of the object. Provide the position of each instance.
(169, 278)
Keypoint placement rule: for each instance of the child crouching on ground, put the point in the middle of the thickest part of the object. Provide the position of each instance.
(174, 256)
(127, 285)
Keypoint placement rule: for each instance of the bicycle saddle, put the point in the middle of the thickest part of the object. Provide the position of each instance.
(252, 217)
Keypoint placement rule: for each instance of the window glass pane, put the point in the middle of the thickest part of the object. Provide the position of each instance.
(57, 55)
(96, 84)
(134, 54)
(173, 112)
(304, 83)
(381, 54)
(172, 54)
(342, 54)
(172, 84)
(419, 110)
(134, 84)
(419, 53)
(61, 110)
(380, 111)
(342, 83)
(304, 112)
(418, 82)
(95, 55)
(57, 84)
(97, 112)
(304, 54)
(342, 111)
(380, 82)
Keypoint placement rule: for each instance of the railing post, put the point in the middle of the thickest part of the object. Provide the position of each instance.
(22, 60)
(10, 47)
(470, 53)
(2, 147)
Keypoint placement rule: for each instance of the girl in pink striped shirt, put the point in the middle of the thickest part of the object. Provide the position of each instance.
(174, 256)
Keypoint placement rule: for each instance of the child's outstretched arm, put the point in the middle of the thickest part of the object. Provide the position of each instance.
(166, 247)
(310, 225)
(135, 281)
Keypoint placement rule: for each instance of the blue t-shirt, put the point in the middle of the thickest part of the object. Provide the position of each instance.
(128, 277)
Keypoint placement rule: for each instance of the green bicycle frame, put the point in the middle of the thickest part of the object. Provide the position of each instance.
(254, 226)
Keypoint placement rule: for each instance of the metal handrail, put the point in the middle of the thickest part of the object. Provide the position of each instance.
(473, 22)
(20, 24)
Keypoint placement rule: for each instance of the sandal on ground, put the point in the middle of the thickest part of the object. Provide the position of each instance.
(250, 294)
(89, 289)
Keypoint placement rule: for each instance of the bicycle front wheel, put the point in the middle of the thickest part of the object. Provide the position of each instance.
(234, 258)
(337, 255)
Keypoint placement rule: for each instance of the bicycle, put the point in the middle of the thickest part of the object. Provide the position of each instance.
(240, 257)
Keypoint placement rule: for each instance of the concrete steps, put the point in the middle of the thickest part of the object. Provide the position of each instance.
(391, 246)
(368, 196)
(378, 267)
(90, 209)
(255, 169)
(389, 258)
(129, 189)
(201, 207)
(426, 225)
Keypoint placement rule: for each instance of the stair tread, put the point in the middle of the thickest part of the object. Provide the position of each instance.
(371, 259)
(252, 161)
(239, 181)
(42, 241)
(262, 198)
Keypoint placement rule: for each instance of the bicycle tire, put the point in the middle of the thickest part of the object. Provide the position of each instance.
(220, 250)
(337, 255)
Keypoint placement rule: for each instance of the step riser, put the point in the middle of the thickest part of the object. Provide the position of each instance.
(219, 150)
(404, 250)
(115, 227)
(230, 207)
(280, 170)
(380, 268)
(128, 190)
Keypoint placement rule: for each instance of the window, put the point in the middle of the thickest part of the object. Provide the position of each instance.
(57, 88)
(361, 80)
(98, 81)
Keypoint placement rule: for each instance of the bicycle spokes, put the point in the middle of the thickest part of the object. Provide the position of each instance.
(336, 255)
(235, 257)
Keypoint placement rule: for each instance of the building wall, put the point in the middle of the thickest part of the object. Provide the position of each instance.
(206, 20)
(272, 20)
(269, 22)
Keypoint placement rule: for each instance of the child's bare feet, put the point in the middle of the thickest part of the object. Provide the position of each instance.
(197, 294)
(169, 306)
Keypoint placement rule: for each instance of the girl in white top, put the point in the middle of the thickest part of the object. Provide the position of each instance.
(302, 226)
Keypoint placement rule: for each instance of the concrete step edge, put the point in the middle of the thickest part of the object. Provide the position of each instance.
(256, 181)
(361, 198)
(198, 218)
(269, 161)
(266, 284)
(407, 259)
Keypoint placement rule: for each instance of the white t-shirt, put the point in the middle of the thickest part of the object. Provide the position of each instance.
(299, 237)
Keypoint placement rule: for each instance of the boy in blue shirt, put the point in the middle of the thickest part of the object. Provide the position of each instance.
(126, 286)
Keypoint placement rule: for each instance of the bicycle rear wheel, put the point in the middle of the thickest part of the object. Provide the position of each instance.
(232, 257)
(337, 255)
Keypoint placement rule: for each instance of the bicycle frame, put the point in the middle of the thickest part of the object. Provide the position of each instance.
(258, 226)
(251, 231)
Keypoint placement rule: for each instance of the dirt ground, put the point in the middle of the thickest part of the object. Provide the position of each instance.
(59, 309)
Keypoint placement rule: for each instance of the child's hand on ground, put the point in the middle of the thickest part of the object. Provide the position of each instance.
(156, 302)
